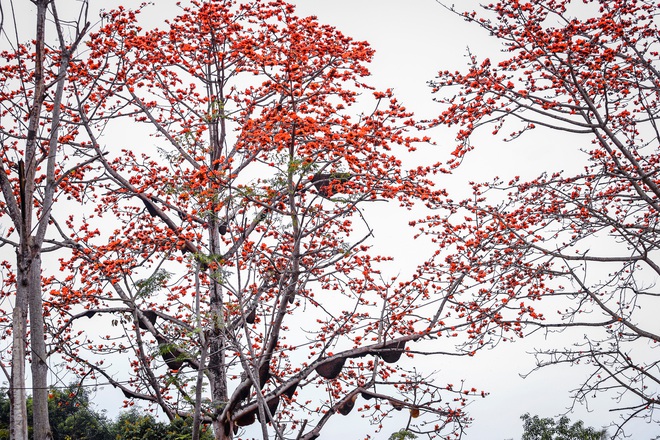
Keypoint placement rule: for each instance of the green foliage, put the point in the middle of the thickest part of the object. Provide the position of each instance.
(181, 429)
(73, 418)
(536, 428)
(206, 260)
(70, 414)
(151, 285)
(402, 435)
(340, 176)
(131, 425)
(216, 110)
(4, 415)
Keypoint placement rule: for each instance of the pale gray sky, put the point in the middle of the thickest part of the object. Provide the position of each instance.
(413, 40)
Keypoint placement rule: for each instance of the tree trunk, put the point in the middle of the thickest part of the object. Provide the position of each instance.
(41, 422)
(28, 298)
(216, 365)
(18, 426)
(28, 295)
(217, 342)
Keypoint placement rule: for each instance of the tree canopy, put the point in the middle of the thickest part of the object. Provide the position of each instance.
(207, 193)
(536, 428)
(73, 416)
(564, 250)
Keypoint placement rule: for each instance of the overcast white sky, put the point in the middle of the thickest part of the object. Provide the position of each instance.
(414, 39)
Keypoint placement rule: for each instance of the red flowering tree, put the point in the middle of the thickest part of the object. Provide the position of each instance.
(35, 171)
(565, 251)
(229, 251)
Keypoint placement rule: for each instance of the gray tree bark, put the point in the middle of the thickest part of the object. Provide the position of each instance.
(32, 232)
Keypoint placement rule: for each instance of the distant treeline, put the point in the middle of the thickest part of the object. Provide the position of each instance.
(72, 416)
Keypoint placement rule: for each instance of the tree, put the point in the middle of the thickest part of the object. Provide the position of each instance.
(133, 425)
(33, 76)
(536, 428)
(72, 416)
(563, 251)
(237, 280)
(4, 416)
(70, 413)
(402, 435)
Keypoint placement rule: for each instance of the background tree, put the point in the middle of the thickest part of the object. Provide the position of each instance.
(70, 413)
(134, 424)
(32, 174)
(584, 244)
(4, 415)
(238, 282)
(72, 416)
(402, 435)
(536, 428)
